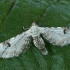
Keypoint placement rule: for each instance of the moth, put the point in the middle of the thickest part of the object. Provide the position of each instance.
(59, 36)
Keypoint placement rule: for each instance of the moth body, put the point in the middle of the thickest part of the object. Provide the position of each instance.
(38, 41)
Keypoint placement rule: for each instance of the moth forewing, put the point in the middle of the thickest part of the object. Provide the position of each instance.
(56, 36)
(17, 45)
(2, 48)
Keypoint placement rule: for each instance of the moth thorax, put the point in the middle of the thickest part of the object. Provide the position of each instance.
(35, 31)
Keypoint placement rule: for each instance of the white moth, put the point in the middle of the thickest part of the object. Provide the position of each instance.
(59, 36)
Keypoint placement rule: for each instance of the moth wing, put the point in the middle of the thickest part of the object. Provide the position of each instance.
(55, 35)
(14, 46)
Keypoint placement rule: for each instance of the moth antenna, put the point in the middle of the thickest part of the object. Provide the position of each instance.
(25, 28)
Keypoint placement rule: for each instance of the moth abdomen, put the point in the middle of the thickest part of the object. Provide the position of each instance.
(39, 43)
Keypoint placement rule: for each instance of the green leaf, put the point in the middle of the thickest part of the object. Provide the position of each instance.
(14, 14)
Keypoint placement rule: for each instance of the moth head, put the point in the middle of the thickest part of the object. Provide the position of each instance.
(34, 29)
(34, 24)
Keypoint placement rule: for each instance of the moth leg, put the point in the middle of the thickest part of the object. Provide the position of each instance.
(39, 43)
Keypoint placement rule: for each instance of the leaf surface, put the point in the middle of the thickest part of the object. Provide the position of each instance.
(14, 14)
